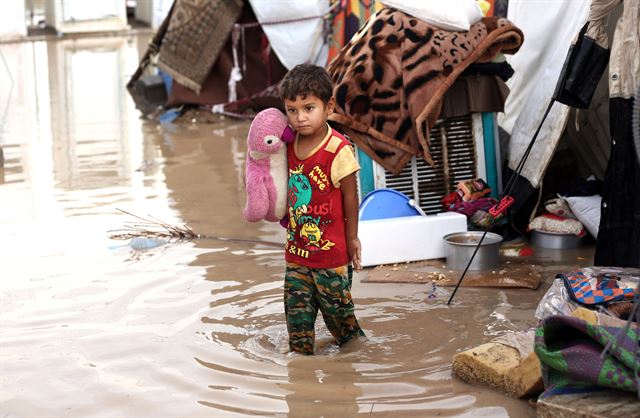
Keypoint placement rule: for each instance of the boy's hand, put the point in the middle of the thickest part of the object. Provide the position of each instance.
(349, 189)
(354, 250)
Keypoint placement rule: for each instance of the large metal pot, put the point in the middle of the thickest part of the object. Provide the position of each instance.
(461, 245)
(553, 240)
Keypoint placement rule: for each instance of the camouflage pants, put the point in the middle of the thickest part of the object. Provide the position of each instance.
(305, 291)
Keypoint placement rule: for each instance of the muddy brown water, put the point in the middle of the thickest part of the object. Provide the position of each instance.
(92, 327)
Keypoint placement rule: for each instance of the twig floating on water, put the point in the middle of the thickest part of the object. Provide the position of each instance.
(155, 228)
(152, 228)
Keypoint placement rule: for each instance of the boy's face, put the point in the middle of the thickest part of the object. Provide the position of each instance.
(308, 115)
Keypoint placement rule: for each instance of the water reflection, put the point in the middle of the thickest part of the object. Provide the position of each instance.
(70, 125)
(94, 144)
(330, 388)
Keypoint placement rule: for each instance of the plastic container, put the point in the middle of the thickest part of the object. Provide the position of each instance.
(387, 203)
(408, 238)
(461, 245)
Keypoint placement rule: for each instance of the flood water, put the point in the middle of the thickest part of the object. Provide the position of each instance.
(95, 327)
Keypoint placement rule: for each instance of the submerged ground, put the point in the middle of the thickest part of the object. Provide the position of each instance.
(94, 327)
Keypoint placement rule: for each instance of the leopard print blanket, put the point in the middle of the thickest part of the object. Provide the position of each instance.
(391, 77)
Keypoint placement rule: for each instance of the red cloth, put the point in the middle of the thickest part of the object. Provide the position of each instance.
(316, 230)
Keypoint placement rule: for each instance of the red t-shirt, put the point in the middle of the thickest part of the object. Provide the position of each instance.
(316, 228)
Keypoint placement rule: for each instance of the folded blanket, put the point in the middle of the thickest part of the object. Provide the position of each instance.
(569, 350)
(391, 78)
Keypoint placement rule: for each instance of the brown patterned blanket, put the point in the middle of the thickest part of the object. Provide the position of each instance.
(391, 77)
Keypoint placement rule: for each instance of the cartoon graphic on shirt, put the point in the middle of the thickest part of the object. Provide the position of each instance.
(311, 232)
(311, 235)
(299, 196)
(299, 188)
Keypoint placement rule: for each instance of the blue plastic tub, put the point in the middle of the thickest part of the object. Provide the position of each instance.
(386, 203)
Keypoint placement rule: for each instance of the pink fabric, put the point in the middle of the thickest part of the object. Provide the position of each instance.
(266, 171)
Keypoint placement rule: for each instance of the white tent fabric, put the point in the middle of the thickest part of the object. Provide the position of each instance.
(12, 21)
(295, 42)
(549, 27)
(455, 15)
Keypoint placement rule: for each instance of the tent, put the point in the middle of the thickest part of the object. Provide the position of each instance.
(537, 68)
(229, 55)
(245, 50)
(583, 135)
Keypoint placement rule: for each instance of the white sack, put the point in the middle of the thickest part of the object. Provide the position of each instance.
(587, 210)
(456, 15)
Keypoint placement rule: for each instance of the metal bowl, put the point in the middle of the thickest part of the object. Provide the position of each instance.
(554, 240)
(461, 245)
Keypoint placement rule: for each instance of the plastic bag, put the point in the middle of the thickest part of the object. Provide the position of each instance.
(555, 302)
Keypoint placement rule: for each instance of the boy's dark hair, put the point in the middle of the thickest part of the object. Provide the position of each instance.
(305, 79)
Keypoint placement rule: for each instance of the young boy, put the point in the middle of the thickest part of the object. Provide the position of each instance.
(322, 202)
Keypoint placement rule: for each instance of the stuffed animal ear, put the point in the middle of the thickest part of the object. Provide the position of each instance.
(288, 135)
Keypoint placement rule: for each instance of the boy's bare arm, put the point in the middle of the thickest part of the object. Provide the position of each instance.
(349, 190)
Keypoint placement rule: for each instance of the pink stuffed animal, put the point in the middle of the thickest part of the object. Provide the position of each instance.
(266, 176)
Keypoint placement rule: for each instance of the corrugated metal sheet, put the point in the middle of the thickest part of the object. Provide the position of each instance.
(454, 153)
